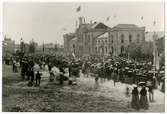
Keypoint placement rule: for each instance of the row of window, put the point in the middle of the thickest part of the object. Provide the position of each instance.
(112, 49)
(122, 39)
(130, 38)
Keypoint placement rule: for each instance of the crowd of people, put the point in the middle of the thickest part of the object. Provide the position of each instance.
(67, 68)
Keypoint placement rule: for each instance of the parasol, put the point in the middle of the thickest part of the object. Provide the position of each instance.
(142, 83)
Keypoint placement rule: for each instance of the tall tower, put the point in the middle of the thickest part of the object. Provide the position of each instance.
(155, 52)
(22, 45)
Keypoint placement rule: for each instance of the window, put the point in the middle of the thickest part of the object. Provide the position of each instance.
(112, 50)
(99, 42)
(111, 38)
(102, 42)
(122, 38)
(96, 50)
(130, 38)
(138, 38)
(122, 49)
(106, 42)
(88, 38)
(106, 49)
(73, 46)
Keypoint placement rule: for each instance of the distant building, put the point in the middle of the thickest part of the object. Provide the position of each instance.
(67, 38)
(148, 35)
(73, 45)
(123, 35)
(160, 42)
(8, 47)
(99, 39)
(85, 37)
(102, 44)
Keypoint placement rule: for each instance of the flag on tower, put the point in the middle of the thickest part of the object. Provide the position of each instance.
(78, 9)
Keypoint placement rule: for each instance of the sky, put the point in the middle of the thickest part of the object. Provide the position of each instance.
(48, 21)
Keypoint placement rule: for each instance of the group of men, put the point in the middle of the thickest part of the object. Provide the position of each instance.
(117, 69)
(122, 70)
(59, 68)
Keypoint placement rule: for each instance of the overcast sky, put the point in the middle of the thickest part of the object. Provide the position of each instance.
(47, 21)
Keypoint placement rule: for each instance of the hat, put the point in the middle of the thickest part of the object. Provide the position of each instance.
(134, 85)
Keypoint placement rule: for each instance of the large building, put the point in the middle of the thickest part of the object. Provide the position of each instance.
(99, 39)
(8, 47)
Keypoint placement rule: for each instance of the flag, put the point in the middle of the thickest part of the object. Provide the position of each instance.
(154, 22)
(142, 18)
(78, 9)
(108, 18)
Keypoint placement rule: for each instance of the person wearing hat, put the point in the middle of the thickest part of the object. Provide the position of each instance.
(143, 98)
(115, 77)
(150, 90)
(38, 78)
(135, 98)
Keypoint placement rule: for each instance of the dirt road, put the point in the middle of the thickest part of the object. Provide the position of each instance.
(86, 96)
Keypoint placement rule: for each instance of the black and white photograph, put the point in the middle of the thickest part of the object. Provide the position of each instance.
(97, 56)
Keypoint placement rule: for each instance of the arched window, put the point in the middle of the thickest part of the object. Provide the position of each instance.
(112, 49)
(99, 41)
(130, 38)
(122, 38)
(106, 42)
(102, 42)
(73, 46)
(138, 38)
(122, 49)
(111, 38)
(106, 49)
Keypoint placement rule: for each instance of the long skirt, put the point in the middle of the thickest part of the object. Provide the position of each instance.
(135, 102)
(144, 102)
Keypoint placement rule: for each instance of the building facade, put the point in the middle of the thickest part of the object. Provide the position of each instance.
(8, 47)
(99, 39)
(123, 35)
(67, 38)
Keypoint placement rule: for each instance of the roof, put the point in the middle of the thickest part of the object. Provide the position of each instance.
(104, 35)
(99, 25)
(126, 26)
(88, 26)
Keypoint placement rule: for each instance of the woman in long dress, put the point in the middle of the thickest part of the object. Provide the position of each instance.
(135, 99)
(143, 99)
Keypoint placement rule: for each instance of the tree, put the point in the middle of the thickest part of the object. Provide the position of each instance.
(141, 52)
(56, 47)
(32, 47)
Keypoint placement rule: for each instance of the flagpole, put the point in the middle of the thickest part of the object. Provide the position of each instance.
(155, 51)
